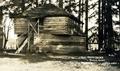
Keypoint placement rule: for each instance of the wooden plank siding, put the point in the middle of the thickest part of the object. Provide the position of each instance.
(60, 25)
(23, 34)
(60, 43)
(21, 25)
(58, 36)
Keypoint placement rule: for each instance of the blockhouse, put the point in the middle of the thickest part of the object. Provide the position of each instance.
(58, 31)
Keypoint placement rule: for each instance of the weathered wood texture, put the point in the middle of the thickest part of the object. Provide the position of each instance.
(23, 40)
(60, 44)
(21, 25)
(58, 36)
(1, 39)
(20, 40)
(60, 25)
(1, 31)
(22, 46)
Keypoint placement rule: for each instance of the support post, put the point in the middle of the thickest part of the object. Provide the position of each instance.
(38, 28)
(28, 39)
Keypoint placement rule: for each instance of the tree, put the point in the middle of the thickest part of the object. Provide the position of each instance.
(60, 3)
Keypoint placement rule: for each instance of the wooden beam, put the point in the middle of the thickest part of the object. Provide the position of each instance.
(28, 39)
(65, 41)
(21, 47)
(38, 27)
(33, 28)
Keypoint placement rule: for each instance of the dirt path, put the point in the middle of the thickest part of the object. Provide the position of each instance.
(53, 63)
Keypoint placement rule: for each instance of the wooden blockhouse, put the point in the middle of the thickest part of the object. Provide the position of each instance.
(58, 31)
(52, 30)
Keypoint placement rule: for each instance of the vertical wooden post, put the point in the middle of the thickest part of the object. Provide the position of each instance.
(28, 39)
(3, 45)
(38, 28)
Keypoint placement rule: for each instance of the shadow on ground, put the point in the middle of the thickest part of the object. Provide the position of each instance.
(35, 58)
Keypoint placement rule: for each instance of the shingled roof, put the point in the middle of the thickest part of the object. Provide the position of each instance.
(46, 11)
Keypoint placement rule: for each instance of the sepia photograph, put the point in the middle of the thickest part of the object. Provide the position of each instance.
(59, 35)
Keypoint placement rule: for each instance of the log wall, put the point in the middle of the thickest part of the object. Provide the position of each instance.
(58, 36)
(21, 25)
(59, 44)
(59, 25)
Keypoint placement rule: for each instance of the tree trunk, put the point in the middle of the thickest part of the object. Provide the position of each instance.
(86, 22)
(60, 3)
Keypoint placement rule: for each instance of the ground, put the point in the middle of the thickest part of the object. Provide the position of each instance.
(38, 62)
